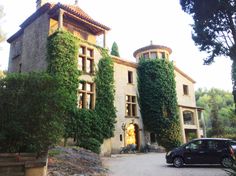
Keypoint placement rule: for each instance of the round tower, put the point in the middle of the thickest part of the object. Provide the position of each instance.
(152, 52)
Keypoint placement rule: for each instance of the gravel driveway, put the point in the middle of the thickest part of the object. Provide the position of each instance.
(153, 164)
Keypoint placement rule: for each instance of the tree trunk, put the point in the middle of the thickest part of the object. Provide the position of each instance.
(233, 73)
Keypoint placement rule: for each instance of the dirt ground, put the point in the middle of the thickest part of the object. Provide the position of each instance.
(74, 162)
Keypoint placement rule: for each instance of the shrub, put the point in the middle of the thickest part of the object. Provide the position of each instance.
(91, 144)
(32, 112)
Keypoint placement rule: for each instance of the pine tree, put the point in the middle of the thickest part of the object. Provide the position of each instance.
(115, 50)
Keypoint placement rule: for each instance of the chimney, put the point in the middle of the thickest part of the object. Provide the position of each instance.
(76, 2)
(40, 3)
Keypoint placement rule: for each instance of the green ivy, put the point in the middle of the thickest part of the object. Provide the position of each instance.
(158, 102)
(62, 63)
(105, 93)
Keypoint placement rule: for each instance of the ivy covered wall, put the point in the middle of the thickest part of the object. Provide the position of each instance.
(105, 95)
(88, 127)
(158, 102)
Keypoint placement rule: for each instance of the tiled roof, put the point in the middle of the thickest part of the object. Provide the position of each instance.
(150, 47)
(75, 10)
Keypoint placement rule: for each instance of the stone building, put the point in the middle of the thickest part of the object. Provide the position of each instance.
(28, 53)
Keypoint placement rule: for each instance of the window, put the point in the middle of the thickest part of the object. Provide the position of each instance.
(86, 59)
(131, 109)
(121, 137)
(146, 55)
(185, 89)
(86, 95)
(163, 56)
(188, 118)
(130, 77)
(20, 67)
(196, 145)
(153, 138)
(153, 55)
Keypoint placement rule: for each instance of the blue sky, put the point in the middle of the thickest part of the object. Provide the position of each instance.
(133, 25)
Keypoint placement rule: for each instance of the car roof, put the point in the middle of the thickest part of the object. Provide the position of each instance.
(218, 139)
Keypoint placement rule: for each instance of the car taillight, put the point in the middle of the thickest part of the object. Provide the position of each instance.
(231, 151)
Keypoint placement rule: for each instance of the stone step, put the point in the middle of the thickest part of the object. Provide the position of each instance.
(12, 171)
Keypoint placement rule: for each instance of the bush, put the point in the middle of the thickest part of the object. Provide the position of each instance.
(88, 126)
(91, 144)
(32, 113)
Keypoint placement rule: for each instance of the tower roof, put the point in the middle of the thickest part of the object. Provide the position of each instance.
(151, 47)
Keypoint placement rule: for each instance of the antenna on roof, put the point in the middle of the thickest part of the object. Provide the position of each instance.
(76, 2)
(151, 42)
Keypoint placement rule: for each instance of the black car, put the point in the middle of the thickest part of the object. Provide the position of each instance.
(203, 151)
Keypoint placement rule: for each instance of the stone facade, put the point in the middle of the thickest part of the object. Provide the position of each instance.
(28, 53)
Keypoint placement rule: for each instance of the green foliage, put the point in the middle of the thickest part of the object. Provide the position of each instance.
(31, 111)
(214, 29)
(105, 93)
(115, 50)
(91, 144)
(158, 102)
(87, 125)
(62, 63)
(218, 111)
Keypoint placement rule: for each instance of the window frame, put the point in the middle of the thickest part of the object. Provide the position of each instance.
(131, 106)
(130, 77)
(86, 54)
(185, 89)
(85, 93)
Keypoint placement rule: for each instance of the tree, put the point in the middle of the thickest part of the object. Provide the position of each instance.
(214, 29)
(115, 50)
(32, 112)
(2, 35)
(218, 112)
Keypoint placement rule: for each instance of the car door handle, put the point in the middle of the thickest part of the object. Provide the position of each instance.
(201, 152)
(219, 150)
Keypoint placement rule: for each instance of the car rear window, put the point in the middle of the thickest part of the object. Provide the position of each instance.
(233, 144)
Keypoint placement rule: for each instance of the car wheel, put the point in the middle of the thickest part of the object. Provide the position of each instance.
(178, 162)
(227, 162)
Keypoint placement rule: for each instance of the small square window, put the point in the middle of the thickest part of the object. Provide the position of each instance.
(185, 89)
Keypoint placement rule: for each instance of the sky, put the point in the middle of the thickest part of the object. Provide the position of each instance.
(134, 24)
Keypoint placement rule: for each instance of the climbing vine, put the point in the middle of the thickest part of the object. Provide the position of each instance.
(62, 63)
(158, 102)
(88, 127)
(105, 93)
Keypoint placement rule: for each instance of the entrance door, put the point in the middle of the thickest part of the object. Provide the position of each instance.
(137, 136)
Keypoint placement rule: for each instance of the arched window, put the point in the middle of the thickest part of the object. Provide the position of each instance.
(188, 118)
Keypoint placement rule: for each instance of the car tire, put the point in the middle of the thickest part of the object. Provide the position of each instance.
(227, 162)
(178, 162)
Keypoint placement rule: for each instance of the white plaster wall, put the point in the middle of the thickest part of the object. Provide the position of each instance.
(186, 100)
(123, 88)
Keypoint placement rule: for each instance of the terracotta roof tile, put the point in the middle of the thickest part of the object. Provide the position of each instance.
(80, 13)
